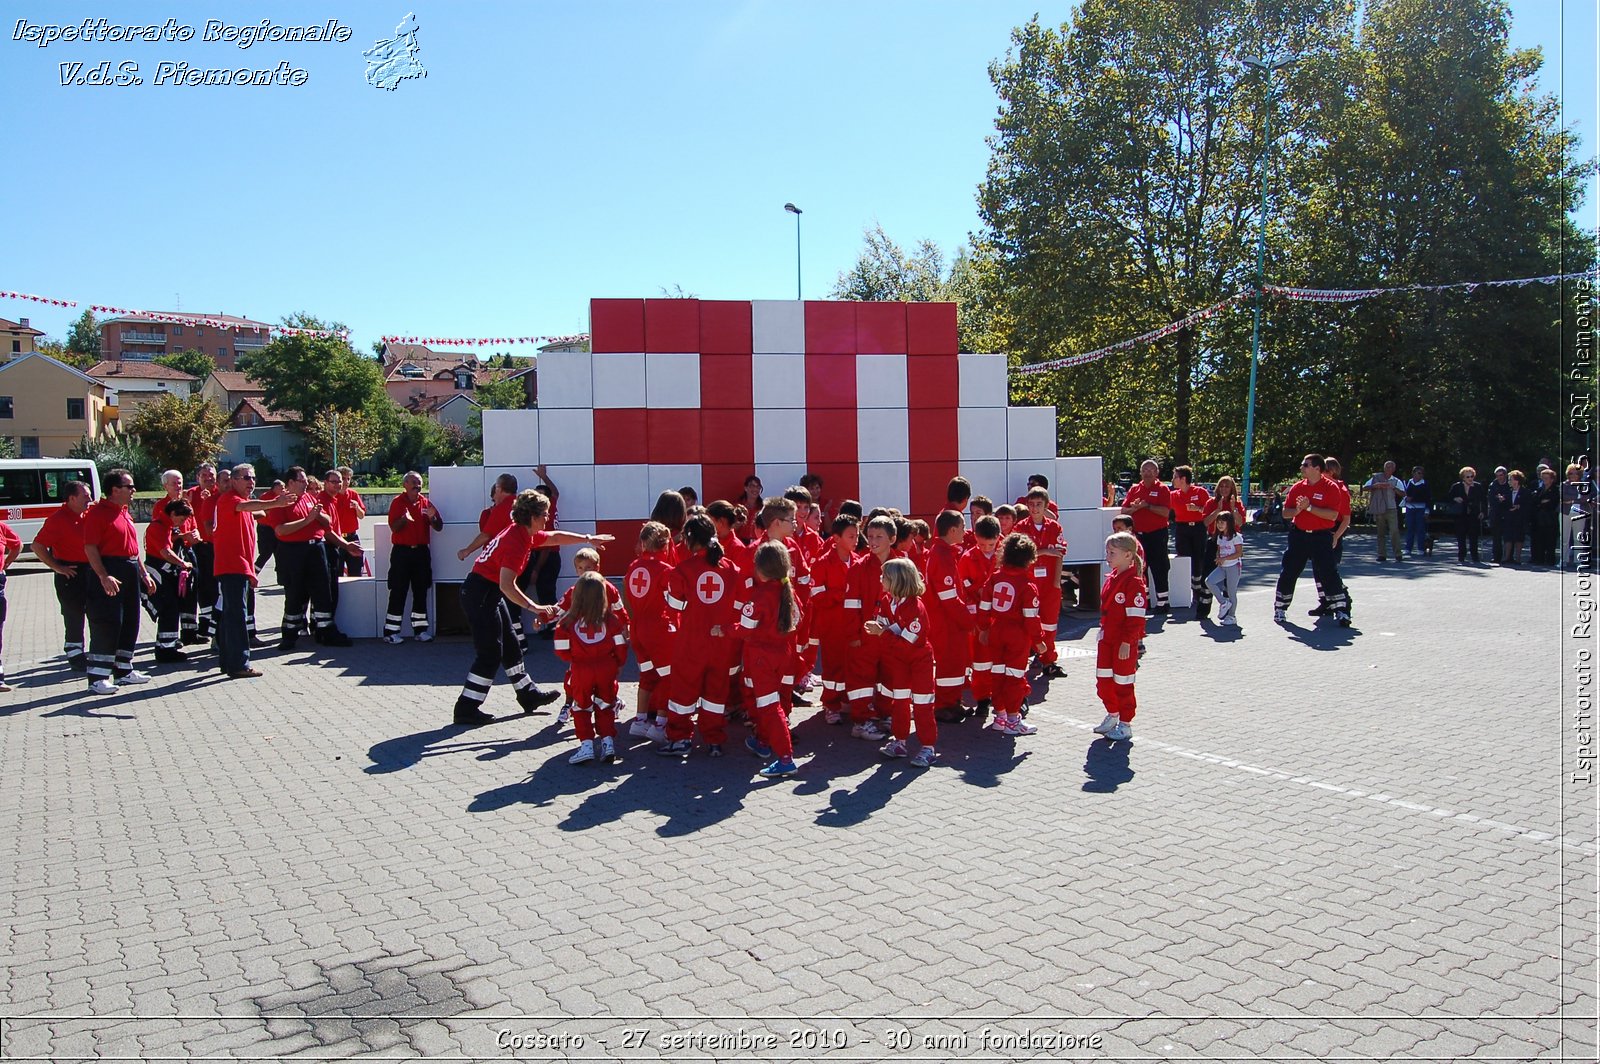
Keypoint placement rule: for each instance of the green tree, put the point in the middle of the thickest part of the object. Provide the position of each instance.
(309, 375)
(180, 433)
(884, 271)
(501, 395)
(8, 447)
(361, 434)
(194, 362)
(58, 351)
(120, 452)
(83, 338)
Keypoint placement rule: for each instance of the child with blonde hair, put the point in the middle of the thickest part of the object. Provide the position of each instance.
(587, 560)
(906, 661)
(1124, 605)
(1008, 614)
(767, 623)
(591, 638)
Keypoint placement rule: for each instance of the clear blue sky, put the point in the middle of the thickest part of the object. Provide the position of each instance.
(554, 152)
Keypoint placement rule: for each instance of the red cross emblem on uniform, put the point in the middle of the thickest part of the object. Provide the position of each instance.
(709, 587)
(1004, 596)
(588, 633)
(639, 583)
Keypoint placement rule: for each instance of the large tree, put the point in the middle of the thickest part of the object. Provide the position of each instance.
(312, 374)
(180, 433)
(192, 361)
(83, 337)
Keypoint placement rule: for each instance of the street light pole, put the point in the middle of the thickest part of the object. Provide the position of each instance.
(792, 209)
(1267, 68)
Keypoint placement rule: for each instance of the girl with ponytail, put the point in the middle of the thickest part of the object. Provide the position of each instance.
(767, 623)
(702, 590)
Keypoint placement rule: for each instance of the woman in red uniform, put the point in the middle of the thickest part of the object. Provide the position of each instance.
(901, 623)
(655, 628)
(592, 638)
(1122, 617)
(702, 591)
(767, 623)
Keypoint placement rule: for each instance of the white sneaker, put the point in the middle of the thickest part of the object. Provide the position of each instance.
(1018, 726)
(565, 716)
(925, 757)
(103, 687)
(868, 731)
(135, 677)
(893, 748)
(1105, 726)
(584, 755)
(656, 733)
(807, 682)
(1121, 733)
(425, 636)
(639, 727)
(395, 639)
(998, 723)
(1280, 616)
(608, 750)
(1229, 622)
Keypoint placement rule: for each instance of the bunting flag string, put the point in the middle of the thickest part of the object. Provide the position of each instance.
(1144, 338)
(194, 320)
(480, 341)
(38, 299)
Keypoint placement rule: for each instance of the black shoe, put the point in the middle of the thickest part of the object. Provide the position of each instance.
(1321, 610)
(1053, 671)
(535, 698)
(287, 643)
(193, 639)
(980, 712)
(948, 714)
(78, 663)
(468, 715)
(332, 637)
(170, 657)
(799, 699)
(1161, 611)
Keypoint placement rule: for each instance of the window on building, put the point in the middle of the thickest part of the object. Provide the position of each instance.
(222, 353)
(463, 379)
(252, 450)
(16, 347)
(5, 406)
(30, 447)
(74, 409)
(177, 330)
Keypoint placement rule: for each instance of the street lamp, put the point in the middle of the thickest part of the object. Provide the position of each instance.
(1268, 68)
(792, 209)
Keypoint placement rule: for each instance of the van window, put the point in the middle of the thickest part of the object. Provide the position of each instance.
(55, 478)
(19, 487)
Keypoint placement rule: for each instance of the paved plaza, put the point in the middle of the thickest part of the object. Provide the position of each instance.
(1321, 844)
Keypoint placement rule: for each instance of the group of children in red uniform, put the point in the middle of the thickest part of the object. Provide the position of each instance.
(892, 625)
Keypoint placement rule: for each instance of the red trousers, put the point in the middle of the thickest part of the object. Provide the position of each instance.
(765, 687)
(652, 646)
(1049, 617)
(837, 661)
(700, 680)
(592, 684)
(1113, 676)
(863, 681)
(982, 662)
(603, 719)
(1010, 649)
(952, 658)
(911, 687)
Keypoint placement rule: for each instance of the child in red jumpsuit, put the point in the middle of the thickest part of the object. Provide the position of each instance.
(587, 560)
(654, 627)
(901, 626)
(865, 683)
(1051, 544)
(952, 616)
(976, 567)
(592, 639)
(833, 625)
(1123, 607)
(767, 623)
(1009, 611)
(706, 655)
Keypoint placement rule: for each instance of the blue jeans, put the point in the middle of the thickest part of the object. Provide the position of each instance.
(1416, 531)
(233, 641)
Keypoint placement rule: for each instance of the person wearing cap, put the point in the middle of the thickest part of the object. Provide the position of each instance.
(1500, 491)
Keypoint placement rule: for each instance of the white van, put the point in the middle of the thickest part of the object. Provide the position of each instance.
(30, 489)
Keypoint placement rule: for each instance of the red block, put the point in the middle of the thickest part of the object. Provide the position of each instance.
(729, 436)
(725, 382)
(831, 382)
(723, 481)
(933, 381)
(840, 481)
(620, 438)
(617, 556)
(931, 329)
(934, 435)
(881, 328)
(616, 325)
(671, 325)
(830, 436)
(929, 484)
(724, 327)
(674, 437)
(830, 328)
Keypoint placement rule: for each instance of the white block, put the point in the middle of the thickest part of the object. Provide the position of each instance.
(566, 380)
(989, 479)
(511, 437)
(672, 381)
(880, 381)
(886, 484)
(882, 435)
(780, 435)
(566, 437)
(619, 382)
(457, 491)
(362, 602)
(442, 548)
(778, 325)
(576, 484)
(778, 381)
(1079, 483)
(671, 478)
(1031, 434)
(378, 548)
(982, 380)
(1086, 532)
(775, 476)
(982, 434)
(621, 493)
(1179, 594)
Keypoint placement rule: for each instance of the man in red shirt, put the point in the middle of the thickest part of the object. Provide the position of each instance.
(1189, 537)
(59, 545)
(10, 547)
(1312, 507)
(1331, 471)
(112, 547)
(203, 501)
(302, 565)
(1149, 503)
(235, 558)
(347, 515)
(412, 520)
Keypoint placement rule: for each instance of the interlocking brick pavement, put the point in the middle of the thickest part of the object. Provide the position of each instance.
(1321, 843)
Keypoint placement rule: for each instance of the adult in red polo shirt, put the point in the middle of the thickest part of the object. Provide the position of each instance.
(348, 508)
(1332, 470)
(112, 547)
(412, 521)
(59, 544)
(203, 501)
(492, 521)
(302, 565)
(1312, 506)
(235, 554)
(1189, 539)
(1149, 503)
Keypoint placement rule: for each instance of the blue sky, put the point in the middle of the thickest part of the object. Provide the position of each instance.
(554, 152)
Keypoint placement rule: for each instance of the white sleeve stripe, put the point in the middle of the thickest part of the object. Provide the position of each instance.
(675, 603)
(852, 604)
(1030, 613)
(749, 622)
(947, 594)
(908, 635)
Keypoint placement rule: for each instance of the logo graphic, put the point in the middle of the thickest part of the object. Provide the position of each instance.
(639, 583)
(709, 588)
(393, 61)
(1004, 595)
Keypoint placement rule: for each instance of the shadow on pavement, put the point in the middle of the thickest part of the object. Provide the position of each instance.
(1106, 765)
(406, 751)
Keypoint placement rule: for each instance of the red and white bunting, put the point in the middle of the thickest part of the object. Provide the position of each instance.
(481, 341)
(1351, 295)
(1144, 338)
(38, 299)
(179, 319)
